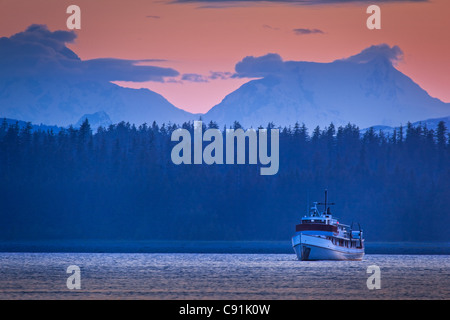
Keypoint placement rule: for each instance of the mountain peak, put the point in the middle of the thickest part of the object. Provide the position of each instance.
(380, 52)
(43, 81)
(365, 89)
(96, 120)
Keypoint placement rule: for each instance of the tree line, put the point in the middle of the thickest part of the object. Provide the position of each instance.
(120, 183)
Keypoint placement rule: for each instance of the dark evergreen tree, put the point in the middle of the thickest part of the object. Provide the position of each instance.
(120, 183)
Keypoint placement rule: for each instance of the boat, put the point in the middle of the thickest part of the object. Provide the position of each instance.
(320, 236)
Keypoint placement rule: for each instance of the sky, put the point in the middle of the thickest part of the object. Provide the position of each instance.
(198, 43)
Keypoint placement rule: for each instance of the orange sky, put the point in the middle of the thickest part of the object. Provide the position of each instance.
(194, 39)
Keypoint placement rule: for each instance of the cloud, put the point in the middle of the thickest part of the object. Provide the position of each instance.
(392, 54)
(110, 69)
(273, 64)
(254, 67)
(194, 77)
(302, 31)
(39, 52)
(153, 17)
(266, 26)
(213, 75)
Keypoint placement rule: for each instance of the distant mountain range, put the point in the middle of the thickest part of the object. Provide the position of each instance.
(431, 124)
(101, 119)
(34, 127)
(96, 120)
(43, 81)
(366, 89)
(57, 102)
(365, 93)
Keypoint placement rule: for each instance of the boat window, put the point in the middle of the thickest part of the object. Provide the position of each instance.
(313, 221)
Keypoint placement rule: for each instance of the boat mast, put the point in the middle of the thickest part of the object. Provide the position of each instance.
(326, 202)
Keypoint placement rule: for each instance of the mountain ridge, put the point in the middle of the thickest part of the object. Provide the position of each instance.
(367, 93)
(43, 81)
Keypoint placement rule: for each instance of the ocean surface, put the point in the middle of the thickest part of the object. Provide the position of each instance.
(244, 276)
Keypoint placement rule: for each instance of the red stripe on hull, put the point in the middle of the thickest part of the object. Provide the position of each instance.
(316, 227)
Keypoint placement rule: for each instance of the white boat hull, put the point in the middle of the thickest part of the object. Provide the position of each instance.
(311, 247)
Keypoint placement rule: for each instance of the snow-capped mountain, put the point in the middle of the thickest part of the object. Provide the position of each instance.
(43, 81)
(365, 90)
(96, 120)
(430, 124)
(64, 101)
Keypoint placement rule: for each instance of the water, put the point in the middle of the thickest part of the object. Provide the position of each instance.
(220, 276)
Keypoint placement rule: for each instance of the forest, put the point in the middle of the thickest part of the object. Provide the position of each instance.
(119, 183)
